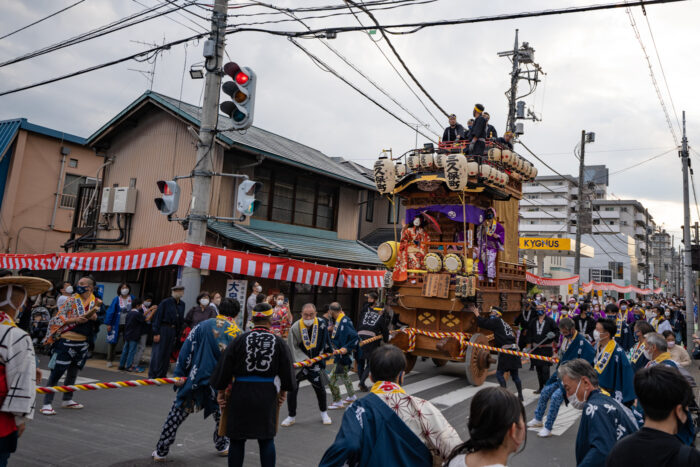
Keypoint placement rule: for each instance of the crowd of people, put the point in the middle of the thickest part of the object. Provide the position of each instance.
(477, 132)
(622, 363)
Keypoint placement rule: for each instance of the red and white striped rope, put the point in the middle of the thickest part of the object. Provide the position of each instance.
(112, 385)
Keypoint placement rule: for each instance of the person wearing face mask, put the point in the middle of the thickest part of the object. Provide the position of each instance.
(66, 290)
(200, 312)
(604, 420)
(542, 334)
(18, 373)
(69, 331)
(612, 365)
(637, 358)
(574, 345)
(281, 317)
(309, 338)
(623, 335)
(116, 318)
(585, 324)
(678, 354)
(390, 427)
(504, 337)
(147, 309)
(374, 322)
(255, 294)
(496, 430)
(664, 395)
(167, 321)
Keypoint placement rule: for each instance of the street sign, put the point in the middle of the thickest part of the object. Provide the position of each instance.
(236, 290)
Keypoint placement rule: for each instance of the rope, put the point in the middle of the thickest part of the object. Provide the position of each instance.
(112, 385)
(324, 356)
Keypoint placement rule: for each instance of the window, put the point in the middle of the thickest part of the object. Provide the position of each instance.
(533, 196)
(369, 207)
(623, 222)
(623, 209)
(73, 163)
(292, 198)
(617, 269)
(560, 183)
(600, 275)
(596, 221)
(533, 209)
(393, 208)
(71, 183)
(612, 222)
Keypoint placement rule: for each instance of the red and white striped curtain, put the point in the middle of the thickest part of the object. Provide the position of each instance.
(33, 262)
(607, 286)
(548, 281)
(361, 278)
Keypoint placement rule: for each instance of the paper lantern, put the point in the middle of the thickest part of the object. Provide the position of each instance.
(413, 162)
(472, 168)
(384, 175)
(494, 175)
(456, 175)
(426, 160)
(506, 157)
(533, 175)
(506, 178)
(439, 161)
(400, 170)
(484, 171)
(495, 154)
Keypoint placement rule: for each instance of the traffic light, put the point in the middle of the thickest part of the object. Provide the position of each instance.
(171, 197)
(242, 92)
(246, 203)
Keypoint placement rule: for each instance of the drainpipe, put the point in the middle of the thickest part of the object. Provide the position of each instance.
(64, 152)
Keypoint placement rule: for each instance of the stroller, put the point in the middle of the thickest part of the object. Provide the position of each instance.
(39, 326)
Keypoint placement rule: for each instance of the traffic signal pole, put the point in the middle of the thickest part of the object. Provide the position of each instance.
(689, 285)
(202, 173)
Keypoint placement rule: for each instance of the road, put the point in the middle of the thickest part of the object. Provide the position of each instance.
(120, 427)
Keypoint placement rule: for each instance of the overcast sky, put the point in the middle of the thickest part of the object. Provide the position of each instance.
(597, 80)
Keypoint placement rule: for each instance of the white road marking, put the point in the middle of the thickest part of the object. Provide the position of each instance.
(428, 383)
(455, 397)
(566, 417)
(79, 380)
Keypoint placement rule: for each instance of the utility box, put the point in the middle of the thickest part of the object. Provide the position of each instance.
(124, 200)
(107, 203)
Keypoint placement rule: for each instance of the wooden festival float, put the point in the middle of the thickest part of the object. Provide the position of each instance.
(453, 191)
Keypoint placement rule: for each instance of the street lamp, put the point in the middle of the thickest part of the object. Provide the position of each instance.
(196, 72)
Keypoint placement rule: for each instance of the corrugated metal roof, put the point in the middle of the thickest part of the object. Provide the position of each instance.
(8, 130)
(256, 140)
(302, 246)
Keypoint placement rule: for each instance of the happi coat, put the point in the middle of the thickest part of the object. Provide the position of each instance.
(616, 373)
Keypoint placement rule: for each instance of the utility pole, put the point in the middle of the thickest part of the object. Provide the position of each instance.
(510, 124)
(689, 287)
(579, 211)
(202, 173)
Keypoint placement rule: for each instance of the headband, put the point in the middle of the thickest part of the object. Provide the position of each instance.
(263, 313)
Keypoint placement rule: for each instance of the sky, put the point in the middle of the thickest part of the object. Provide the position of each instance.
(597, 79)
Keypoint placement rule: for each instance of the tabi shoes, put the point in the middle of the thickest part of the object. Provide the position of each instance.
(350, 400)
(337, 405)
(326, 419)
(544, 433)
(47, 410)
(71, 404)
(289, 421)
(535, 423)
(157, 458)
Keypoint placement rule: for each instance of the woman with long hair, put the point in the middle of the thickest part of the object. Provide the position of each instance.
(496, 430)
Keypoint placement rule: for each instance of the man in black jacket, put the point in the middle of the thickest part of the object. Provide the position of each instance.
(491, 132)
(478, 134)
(454, 132)
(506, 140)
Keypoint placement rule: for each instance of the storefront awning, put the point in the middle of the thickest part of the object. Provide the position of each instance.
(298, 244)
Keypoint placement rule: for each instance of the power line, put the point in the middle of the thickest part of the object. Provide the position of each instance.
(331, 70)
(42, 19)
(396, 53)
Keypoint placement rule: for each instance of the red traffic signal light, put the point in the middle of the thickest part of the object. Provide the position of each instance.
(242, 93)
(236, 73)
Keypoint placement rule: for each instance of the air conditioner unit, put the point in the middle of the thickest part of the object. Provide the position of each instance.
(124, 200)
(107, 203)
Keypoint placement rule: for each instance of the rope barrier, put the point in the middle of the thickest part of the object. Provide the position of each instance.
(324, 356)
(513, 352)
(112, 385)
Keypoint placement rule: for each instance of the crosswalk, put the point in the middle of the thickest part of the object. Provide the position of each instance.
(79, 380)
(449, 391)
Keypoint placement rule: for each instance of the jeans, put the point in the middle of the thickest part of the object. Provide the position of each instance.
(4, 457)
(553, 394)
(128, 354)
(236, 452)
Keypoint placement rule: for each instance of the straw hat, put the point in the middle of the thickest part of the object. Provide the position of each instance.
(33, 285)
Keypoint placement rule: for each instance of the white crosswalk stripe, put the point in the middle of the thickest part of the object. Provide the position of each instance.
(460, 395)
(79, 380)
(566, 417)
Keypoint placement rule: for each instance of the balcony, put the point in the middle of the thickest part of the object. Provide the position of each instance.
(608, 214)
(543, 214)
(563, 189)
(544, 201)
(544, 228)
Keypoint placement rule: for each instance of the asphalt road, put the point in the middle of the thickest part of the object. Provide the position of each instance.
(120, 427)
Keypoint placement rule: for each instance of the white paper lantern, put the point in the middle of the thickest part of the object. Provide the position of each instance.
(495, 154)
(384, 175)
(506, 178)
(472, 168)
(494, 175)
(456, 175)
(439, 160)
(413, 162)
(507, 157)
(400, 170)
(533, 175)
(426, 160)
(485, 171)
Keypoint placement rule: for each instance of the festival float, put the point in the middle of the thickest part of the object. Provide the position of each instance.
(458, 244)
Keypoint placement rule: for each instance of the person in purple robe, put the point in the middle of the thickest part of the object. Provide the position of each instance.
(490, 238)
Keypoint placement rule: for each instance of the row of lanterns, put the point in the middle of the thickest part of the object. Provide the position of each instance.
(512, 160)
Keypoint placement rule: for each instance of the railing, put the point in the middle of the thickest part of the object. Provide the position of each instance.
(68, 201)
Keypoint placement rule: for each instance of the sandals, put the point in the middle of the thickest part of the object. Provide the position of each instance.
(71, 405)
(48, 411)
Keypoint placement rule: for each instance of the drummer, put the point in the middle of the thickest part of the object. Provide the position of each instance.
(504, 338)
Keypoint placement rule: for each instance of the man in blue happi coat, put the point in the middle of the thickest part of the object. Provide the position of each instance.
(604, 420)
(196, 362)
(623, 334)
(574, 345)
(389, 427)
(615, 372)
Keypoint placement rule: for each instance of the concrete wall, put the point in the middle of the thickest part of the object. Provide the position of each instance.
(30, 193)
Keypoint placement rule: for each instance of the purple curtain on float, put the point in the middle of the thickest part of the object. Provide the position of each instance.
(454, 212)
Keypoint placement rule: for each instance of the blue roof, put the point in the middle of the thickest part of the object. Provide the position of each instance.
(299, 242)
(8, 131)
(255, 140)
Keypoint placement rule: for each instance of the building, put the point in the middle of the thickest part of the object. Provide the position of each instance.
(309, 203)
(41, 172)
(665, 261)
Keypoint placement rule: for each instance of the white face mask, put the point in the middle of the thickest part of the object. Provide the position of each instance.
(308, 322)
(69, 289)
(416, 222)
(667, 314)
(125, 292)
(671, 345)
(147, 304)
(280, 302)
(596, 335)
(575, 402)
(623, 307)
(258, 289)
(204, 301)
